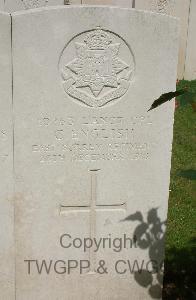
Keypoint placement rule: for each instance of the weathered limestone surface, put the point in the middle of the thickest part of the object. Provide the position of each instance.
(2, 5)
(15, 5)
(190, 65)
(121, 3)
(87, 153)
(73, 2)
(161, 6)
(87, 158)
(7, 267)
(176, 8)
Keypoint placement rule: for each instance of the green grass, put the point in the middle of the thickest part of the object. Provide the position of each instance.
(181, 227)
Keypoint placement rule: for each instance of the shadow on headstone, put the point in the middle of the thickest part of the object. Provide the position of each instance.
(179, 266)
(150, 234)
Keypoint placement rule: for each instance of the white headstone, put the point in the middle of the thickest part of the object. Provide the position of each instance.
(7, 267)
(160, 6)
(1, 5)
(73, 2)
(121, 3)
(190, 65)
(15, 5)
(89, 161)
(176, 8)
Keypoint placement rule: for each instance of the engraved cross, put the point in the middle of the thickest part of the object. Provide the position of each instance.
(92, 209)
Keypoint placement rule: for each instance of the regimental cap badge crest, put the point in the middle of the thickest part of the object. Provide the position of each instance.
(97, 74)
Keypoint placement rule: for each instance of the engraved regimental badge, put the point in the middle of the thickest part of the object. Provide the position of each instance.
(96, 67)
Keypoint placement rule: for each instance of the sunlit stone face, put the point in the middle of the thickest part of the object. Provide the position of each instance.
(90, 162)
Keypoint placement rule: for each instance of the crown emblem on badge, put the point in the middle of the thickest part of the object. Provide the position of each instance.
(98, 40)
